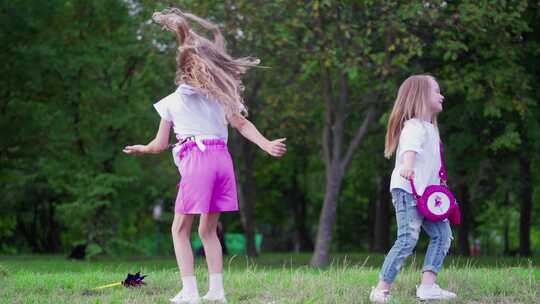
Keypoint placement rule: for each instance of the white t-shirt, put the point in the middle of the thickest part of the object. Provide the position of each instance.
(423, 138)
(192, 114)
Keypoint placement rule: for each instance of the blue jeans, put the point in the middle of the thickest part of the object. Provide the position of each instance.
(409, 221)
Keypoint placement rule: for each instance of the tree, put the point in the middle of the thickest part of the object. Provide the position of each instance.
(485, 98)
(358, 50)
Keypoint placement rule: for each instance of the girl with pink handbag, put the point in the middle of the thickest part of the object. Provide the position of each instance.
(419, 168)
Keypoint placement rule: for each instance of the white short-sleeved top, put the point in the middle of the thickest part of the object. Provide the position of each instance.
(423, 138)
(193, 114)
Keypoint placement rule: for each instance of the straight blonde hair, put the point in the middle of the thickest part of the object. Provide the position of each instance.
(411, 102)
(203, 63)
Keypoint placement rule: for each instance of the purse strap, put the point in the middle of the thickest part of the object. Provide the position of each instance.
(415, 194)
(443, 174)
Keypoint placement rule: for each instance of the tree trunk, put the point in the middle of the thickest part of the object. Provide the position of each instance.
(463, 230)
(506, 228)
(526, 207)
(382, 216)
(302, 238)
(249, 204)
(245, 204)
(337, 156)
(53, 235)
(327, 219)
(245, 154)
(371, 215)
(506, 238)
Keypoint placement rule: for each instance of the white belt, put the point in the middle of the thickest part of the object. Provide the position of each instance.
(198, 139)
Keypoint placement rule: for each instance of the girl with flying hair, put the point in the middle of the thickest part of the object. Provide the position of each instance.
(208, 98)
(413, 135)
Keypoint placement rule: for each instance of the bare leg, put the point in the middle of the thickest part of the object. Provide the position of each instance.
(210, 240)
(214, 256)
(181, 233)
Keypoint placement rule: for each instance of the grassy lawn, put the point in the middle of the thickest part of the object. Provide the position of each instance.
(271, 278)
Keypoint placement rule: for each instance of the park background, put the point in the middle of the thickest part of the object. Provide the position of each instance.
(78, 80)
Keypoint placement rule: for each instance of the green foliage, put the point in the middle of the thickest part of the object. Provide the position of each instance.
(79, 78)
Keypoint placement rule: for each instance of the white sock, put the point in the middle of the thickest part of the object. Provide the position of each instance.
(216, 284)
(189, 285)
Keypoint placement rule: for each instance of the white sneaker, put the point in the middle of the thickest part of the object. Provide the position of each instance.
(433, 292)
(182, 298)
(218, 297)
(379, 296)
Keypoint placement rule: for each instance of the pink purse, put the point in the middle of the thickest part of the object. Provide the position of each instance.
(437, 203)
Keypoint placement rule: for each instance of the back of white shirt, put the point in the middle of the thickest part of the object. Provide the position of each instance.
(193, 114)
(423, 138)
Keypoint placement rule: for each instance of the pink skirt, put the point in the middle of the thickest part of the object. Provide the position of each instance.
(208, 183)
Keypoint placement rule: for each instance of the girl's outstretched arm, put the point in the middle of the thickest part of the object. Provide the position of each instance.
(275, 148)
(158, 144)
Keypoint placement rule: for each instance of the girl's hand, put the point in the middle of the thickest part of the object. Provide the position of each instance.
(407, 167)
(276, 147)
(406, 172)
(136, 149)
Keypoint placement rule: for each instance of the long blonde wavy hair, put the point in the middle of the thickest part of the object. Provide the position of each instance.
(205, 64)
(411, 102)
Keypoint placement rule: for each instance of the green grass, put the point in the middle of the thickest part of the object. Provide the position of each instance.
(271, 278)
